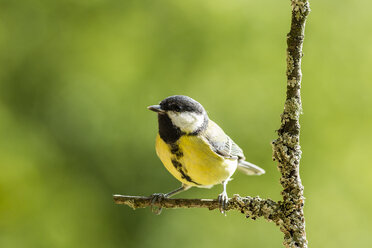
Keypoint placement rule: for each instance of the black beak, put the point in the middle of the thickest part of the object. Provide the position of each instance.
(156, 108)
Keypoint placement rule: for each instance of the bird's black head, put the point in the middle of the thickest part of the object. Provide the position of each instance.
(180, 114)
(180, 104)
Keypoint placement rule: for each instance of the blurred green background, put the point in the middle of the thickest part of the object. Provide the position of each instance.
(76, 77)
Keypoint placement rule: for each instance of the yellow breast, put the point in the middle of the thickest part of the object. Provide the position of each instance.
(192, 161)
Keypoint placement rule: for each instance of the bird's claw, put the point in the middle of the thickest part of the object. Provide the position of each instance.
(157, 197)
(223, 200)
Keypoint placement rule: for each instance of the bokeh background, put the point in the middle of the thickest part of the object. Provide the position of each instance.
(76, 77)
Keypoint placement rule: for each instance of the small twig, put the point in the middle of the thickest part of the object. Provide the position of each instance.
(252, 207)
(143, 202)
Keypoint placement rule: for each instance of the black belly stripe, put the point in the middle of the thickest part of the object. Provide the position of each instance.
(181, 170)
(176, 150)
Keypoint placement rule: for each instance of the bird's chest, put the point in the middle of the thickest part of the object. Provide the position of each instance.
(192, 161)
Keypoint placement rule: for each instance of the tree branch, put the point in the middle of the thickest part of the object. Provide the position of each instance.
(252, 207)
(286, 148)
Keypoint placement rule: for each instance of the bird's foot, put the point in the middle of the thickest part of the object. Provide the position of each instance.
(157, 197)
(223, 200)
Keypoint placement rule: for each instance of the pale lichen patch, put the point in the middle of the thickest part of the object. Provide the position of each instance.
(290, 63)
(292, 108)
(300, 8)
(292, 82)
(255, 207)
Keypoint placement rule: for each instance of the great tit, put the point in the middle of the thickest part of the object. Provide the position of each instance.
(194, 149)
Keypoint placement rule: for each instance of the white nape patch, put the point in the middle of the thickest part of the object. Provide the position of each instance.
(188, 122)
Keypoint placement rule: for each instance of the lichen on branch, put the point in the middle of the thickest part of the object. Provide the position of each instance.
(251, 207)
(286, 148)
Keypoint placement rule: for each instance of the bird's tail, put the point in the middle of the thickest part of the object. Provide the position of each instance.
(249, 168)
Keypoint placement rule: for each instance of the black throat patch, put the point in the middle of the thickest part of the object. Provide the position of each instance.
(167, 131)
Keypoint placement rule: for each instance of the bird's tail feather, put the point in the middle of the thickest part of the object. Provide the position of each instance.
(249, 168)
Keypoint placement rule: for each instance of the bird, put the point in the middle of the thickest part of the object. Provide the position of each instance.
(195, 150)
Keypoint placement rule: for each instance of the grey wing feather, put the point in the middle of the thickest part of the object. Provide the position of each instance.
(231, 149)
(226, 147)
(221, 143)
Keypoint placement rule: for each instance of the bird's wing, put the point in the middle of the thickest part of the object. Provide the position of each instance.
(224, 146)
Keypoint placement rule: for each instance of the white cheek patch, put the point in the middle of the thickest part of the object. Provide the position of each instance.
(186, 121)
